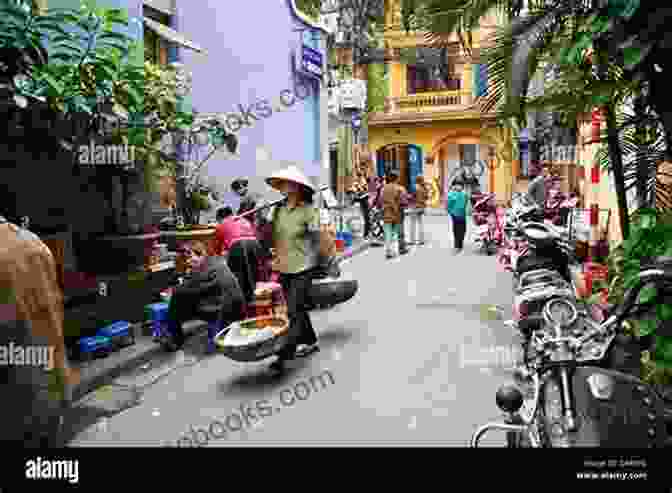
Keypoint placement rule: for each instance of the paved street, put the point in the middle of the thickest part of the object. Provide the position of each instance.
(401, 358)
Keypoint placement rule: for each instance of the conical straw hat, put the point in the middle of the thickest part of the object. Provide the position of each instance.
(291, 173)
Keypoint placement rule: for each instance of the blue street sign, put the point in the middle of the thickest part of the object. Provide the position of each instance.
(311, 62)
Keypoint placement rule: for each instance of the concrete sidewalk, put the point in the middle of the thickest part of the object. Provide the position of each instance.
(102, 371)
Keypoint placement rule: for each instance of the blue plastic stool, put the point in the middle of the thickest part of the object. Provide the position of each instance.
(157, 314)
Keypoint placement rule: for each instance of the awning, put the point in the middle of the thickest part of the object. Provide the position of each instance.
(171, 35)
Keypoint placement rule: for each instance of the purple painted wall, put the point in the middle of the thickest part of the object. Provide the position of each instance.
(248, 58)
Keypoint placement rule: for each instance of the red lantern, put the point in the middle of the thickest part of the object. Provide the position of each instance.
(596, 124)
(595, 174)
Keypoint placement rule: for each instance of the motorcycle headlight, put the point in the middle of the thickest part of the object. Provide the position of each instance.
(560, 312)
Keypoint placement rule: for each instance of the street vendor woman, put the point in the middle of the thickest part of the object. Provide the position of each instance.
(296, 257)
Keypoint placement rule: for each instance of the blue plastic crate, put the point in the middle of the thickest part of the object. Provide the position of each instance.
(96, 343)
(120, 333)
(156, 312)
(116, 329)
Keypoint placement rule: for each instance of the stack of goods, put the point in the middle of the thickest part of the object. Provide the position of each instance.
(253, 339)
(262, 306)
(268, 301)
(183, 261)
(152, 255)
(166, 294)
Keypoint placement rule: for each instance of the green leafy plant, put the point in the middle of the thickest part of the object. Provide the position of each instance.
(88, 71)
(651, 237)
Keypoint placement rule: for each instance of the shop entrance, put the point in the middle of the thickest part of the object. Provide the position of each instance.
(407, 159)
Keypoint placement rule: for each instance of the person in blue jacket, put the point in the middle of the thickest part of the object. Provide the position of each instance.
(458, 205)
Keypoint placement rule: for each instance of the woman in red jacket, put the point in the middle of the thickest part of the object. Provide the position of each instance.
(237, 238)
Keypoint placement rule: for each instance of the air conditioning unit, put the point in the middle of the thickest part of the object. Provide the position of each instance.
(353, 94)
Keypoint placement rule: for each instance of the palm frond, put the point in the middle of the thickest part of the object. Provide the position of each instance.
(642, 159)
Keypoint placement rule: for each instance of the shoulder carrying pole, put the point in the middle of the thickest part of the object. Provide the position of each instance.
(269, 204)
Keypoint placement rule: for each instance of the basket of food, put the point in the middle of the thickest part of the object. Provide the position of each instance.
(253, 339)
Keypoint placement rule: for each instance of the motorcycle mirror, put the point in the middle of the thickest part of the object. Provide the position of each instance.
(509, 399)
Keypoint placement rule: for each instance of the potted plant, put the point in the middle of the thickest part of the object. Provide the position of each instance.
(90, 79)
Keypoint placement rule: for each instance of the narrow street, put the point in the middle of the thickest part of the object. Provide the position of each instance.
(401, 361)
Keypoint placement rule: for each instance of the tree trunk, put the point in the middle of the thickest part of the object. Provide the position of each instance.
(642, 171)
(616, 159)
(615, 154)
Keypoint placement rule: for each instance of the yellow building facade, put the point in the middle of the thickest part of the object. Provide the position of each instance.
(432, 130)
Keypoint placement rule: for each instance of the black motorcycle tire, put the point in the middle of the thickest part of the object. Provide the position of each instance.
(331, 293)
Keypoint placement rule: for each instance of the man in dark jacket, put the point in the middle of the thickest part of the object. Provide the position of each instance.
(394, 200)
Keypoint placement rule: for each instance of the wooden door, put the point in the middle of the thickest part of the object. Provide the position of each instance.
(414, 165)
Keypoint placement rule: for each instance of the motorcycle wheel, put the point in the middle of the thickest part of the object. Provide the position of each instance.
(331, 293)
(491, 248)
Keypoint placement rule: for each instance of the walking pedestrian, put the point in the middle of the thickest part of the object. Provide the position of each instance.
(296, 258)
(458, 205)
(363, 200)
(418, 214)
(237, 238)
(393, 198)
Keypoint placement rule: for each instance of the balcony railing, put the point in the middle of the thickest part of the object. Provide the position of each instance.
(427, 102)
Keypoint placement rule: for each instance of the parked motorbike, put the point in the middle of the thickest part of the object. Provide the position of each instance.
(487, 221)
(553, 207)
(513, 243)
(546, 248)
(567, 398)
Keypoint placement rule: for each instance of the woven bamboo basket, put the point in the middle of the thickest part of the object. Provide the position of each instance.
(253, 339)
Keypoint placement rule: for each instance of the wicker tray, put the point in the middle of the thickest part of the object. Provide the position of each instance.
(253, 339)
